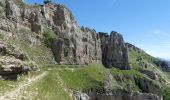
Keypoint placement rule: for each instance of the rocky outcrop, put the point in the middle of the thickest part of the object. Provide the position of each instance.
(10, 65)
(76, 45)
(13, 61)
(114, 51)
(81, 96)
(79, 46)
(162, 64)
(144, 96)
(117, 95)
(134, 48)
(150, 74)
(149, 87)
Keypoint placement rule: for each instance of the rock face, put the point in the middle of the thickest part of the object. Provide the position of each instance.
(75, 44)
(117, 95)
(72, 45)
(163, 65)
(12, 61)
(114, 51)
(150, 74)
(132, 47)
(10, 65)
(147, 87)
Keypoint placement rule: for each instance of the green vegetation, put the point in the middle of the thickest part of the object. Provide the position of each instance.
(132, 72)
(48, 88)
(1, 36)
(62, 80)
(7, 85)
(49, 36)
(134, 55)
(130, 77)
(89, 77)
(166, 93)
(31, 45)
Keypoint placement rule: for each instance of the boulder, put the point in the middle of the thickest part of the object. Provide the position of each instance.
(81, 96)
(148, 86)
(10, 65)
(150, 74)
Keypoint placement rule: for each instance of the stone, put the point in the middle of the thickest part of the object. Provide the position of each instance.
(150, 74)
(81, 96)
(81, 45)
(2, 49)
(57, 47)
(117, 95)
(114, 51)
(144, 96)
(10, 65)
(134, 48)
(148, 87)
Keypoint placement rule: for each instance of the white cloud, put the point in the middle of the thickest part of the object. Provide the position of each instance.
(164, 55)
(160, 49)
(160, 33)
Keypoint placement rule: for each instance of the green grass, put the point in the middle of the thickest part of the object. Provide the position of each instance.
(134, 55)
(38, 53)
(85, 78)
(166, 93)
(49, 36)
(7, 85)
(63, 80)
(1, 36)
(48, 88)
(126, 74)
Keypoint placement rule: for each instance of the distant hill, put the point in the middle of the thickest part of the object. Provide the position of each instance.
(169, 63)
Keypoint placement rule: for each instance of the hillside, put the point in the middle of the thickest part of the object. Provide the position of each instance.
(46, 55)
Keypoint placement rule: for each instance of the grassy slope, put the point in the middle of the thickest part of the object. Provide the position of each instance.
(62, 81)
(163, 76)
(37, 53)
(87, 77)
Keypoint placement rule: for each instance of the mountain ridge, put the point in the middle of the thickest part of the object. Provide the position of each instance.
(47, 37)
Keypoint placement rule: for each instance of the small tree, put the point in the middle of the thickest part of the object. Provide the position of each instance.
(47, 1)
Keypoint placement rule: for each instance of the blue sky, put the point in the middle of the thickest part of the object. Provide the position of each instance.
(144, 23)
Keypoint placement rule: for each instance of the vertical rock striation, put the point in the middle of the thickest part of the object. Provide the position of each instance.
(114, 51)
(74, 44)
(79, 45)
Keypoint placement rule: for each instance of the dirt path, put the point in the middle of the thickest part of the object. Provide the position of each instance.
(64, 86)
(16, 93)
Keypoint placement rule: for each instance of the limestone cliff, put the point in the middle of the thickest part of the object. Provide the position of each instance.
(71, 45)
(75, 44)
(114, 51)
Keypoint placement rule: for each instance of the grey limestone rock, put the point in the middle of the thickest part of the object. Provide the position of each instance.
(114, 51)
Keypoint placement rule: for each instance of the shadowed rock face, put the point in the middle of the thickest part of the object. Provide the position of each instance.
(114, 51)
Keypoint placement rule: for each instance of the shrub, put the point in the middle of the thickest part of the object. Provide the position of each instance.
(49, 36)
(166, 93)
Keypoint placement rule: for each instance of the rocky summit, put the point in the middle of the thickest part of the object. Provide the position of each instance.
(46, 55)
